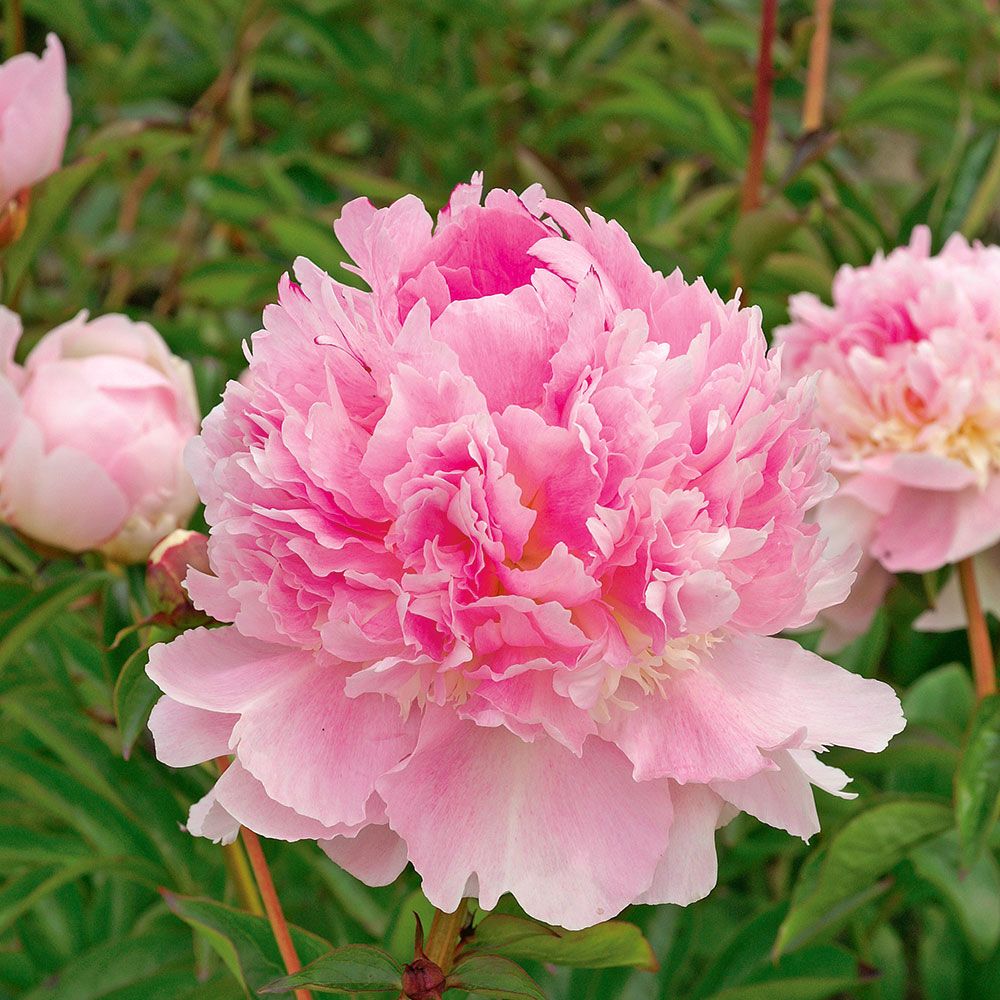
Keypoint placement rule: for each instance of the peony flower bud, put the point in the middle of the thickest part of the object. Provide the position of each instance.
(166, 570)
(503, 543)
(908, 366)
(34, 122)
(92, 430)
(423, 980)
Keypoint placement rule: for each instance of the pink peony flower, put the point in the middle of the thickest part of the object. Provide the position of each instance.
(501, 543)
(908, 358)
(34, 118)
(92, 433)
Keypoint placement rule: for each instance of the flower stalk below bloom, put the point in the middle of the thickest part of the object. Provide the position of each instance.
(980, 647)
(442, 942)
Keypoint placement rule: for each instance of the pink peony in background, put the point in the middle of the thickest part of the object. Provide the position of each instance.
(92, 432)
(501, 545)
(908, 358)
(34, 118)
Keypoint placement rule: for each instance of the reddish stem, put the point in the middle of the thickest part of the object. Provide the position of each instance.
(980, 647)
(272, 906)
(269, 896)
(760, 115)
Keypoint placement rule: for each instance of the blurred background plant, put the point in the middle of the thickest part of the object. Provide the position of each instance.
(215, 140)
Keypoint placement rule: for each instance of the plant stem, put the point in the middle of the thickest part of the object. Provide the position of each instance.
(819, 57)
(269, 895)
(442, 941)
(760, 115)
(272, 905)
(980, 648)
(14, 28)
(239, 871)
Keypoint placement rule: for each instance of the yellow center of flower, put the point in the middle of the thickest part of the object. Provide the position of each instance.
(975, 442)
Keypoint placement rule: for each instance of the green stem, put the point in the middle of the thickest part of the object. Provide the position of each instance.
(14, 28)
(443, 940)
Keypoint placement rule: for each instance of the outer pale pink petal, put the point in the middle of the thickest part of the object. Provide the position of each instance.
(207, 818)
(781, 798)
(209, 594)
(184, 735)
(696, 732)
(948, 613)
(63, 498)
(781, 687)
(845, 521)
(219, 669)
(689, 867)
(830, 779)
(318, 751)
(375, 854)
(849, 620)
(575, 840)
(926, 471)
(928, 529)
(244, 798)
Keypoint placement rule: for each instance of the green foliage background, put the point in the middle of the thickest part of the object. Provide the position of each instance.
(213, 141)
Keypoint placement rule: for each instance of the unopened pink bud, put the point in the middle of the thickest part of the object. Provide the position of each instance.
(168, 565)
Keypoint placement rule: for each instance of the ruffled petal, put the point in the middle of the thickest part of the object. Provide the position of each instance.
(375, 854)
(318, 751)
(689, 867)
(554, 837)
(184, 735)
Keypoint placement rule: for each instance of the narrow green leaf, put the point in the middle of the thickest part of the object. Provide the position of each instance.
(59, 794)
(49, 201)
(977, 781)
(134, 697)
(22, 846)
(355, 968)
(116, 964)
(805, 988)
(37, 611)
(493, 976)
(608, 945)
(20, 894)
(243, 941)
(865, 849)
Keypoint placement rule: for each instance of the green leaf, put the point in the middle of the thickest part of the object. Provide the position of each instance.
(759, 233)
(134, 697)
(355, 968)
(942, 699)
(33, 614)
(233, 282)
(49, 201)
(116, 964)
(244, 942)
(861, 852)
(977, 781)
(20, 894)
(805, 988)
(608, 945)
(973, 895)
(493, 976)
(22, 846)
